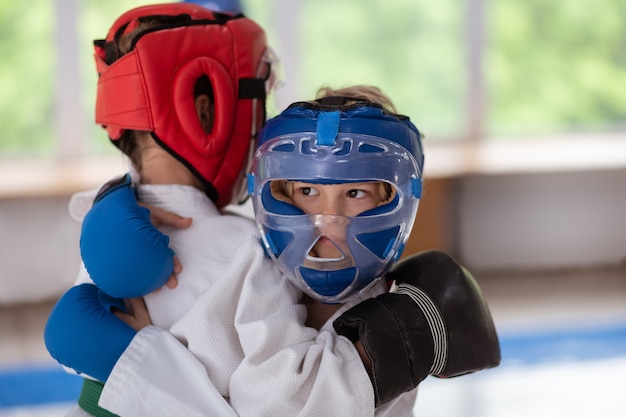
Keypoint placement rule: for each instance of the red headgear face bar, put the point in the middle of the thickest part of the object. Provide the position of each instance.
(151, 88)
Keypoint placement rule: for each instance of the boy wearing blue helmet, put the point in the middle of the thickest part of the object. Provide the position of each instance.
(336, 185)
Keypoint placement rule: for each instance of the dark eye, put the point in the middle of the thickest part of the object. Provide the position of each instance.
(307, 191)
(356, 193)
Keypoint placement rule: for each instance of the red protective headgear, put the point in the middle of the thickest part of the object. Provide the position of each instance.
(151, 88)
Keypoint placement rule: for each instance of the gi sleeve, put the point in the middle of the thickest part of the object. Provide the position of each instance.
(158, 375)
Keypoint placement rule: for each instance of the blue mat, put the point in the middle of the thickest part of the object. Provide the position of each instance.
(45, 384)
(558, 345)
(33, 385)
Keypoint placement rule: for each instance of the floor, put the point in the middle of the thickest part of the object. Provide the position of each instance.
(563, 338)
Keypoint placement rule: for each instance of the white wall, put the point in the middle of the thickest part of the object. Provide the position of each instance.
(39, 255)
(557, 220)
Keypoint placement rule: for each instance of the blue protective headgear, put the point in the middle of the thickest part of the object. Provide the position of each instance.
(328, 142)
(229, 6)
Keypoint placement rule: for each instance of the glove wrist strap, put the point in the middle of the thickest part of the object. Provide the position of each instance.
(435, 322)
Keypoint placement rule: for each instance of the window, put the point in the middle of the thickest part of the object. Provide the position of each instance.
(412, 50)
(47, 76)
(478, 69)
(555, 66)
(26, 72)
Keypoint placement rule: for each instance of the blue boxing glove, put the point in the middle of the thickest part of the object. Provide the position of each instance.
(125, 255)
(82, 333)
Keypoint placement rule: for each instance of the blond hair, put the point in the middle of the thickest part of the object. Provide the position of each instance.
(359, 92)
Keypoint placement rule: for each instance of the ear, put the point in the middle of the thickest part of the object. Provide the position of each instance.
(204, 110)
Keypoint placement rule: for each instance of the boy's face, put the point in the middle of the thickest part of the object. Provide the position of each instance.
(345, 200)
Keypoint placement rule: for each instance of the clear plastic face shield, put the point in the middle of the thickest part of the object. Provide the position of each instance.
(270, 69)
(334, 256)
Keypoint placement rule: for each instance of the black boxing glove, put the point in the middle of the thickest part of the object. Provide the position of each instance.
(434, 321)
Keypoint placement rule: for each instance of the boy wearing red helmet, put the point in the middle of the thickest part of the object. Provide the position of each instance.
(181, 92)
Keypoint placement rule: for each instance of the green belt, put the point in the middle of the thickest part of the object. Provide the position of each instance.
(89, 397)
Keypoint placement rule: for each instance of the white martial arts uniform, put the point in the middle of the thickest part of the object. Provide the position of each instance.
(233, 329)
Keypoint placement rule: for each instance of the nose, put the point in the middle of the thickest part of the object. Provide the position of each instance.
(333, 206)
(331, 241)
(332, 226)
